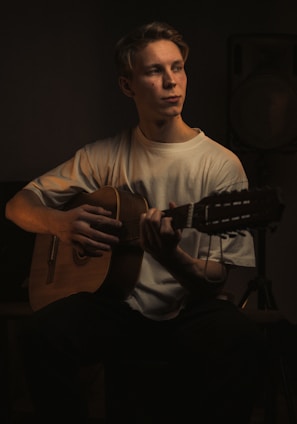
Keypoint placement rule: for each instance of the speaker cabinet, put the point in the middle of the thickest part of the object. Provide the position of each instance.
(262, 92)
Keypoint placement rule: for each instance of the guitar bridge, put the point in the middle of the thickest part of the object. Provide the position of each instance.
(52, 259)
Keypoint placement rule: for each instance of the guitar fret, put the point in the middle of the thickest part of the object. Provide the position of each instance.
(190, 215)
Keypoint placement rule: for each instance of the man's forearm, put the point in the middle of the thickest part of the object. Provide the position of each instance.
(196, 275)
(27, 211)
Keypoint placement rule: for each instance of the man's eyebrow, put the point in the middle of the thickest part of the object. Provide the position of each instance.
(157, 64)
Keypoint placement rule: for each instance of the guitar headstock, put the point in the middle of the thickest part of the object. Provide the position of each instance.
(227, 212)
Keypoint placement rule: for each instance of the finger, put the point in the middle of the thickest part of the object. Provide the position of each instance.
(102, 222)
(166, 225)
(82, 252)
(97, 210)
(172, 205)
(90, 247)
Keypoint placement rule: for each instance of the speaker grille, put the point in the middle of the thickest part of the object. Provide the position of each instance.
(263, 91)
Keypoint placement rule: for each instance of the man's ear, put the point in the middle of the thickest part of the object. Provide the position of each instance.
(124, 84)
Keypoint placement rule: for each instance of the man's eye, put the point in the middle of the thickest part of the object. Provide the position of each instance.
(153, 71)
(177, 68)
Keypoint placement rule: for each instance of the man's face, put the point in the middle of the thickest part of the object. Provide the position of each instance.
(159, 81)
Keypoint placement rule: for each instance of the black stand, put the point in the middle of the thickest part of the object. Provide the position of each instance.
(270, 315)
(260, 284)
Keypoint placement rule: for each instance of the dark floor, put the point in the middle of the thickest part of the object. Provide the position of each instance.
(282, 407)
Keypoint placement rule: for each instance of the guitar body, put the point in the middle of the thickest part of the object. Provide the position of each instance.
(57, 269)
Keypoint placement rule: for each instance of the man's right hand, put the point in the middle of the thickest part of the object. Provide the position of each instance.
(90, 229)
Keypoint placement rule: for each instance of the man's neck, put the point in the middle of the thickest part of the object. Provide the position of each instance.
(176, 131)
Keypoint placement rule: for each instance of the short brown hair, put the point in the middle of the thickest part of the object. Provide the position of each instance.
(136, 40)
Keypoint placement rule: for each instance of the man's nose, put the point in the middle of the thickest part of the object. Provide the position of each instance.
(169, 80)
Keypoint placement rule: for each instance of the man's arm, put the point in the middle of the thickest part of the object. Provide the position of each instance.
(27, 211)
(88, 227)
(160, 240)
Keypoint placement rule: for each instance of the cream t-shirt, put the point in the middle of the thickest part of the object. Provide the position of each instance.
(161, 172)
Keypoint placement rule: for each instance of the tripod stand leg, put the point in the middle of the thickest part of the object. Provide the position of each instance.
(252, 286)
(265, 296)
(287, 393)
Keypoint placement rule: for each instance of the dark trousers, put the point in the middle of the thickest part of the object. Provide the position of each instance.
(214, 354)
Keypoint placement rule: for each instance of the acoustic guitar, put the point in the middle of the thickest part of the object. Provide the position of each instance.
(58, 270)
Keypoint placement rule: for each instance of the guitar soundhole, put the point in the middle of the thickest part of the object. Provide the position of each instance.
(79, 258)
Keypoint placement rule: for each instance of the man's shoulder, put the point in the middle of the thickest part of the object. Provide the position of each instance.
(217, 147)
(108, 143)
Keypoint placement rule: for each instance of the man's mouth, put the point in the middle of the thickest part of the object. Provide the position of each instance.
(172, 99)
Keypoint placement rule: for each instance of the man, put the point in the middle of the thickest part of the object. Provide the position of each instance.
(174, 311)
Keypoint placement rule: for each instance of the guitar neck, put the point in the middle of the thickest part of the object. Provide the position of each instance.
(182, 216)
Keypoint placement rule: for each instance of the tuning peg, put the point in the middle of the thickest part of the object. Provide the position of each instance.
(226, 235)
(231, 234)
(241, 233)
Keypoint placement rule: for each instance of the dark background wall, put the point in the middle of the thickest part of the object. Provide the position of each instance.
(59, 91)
